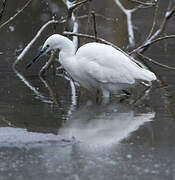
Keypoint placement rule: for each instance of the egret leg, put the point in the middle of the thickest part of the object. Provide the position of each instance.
(105, 97)
(126, 92)
(105, 93)
(98, 96)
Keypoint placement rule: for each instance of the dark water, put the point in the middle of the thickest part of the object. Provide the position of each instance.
(48, 132)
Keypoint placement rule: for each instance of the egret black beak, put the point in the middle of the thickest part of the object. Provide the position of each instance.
(36, 57)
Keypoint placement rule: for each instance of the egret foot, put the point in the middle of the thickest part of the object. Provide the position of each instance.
(126, 92)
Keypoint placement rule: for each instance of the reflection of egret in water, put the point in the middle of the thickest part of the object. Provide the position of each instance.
(104, 125)
(92, 125)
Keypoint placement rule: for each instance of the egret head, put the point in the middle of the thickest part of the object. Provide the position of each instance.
(55, 41)
(48, 46)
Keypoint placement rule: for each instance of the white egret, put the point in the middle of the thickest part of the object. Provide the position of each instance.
(96, 66)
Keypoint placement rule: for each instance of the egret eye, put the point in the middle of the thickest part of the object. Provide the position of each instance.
(47, 46)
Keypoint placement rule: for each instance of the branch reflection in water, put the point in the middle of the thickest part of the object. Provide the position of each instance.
(51, 99)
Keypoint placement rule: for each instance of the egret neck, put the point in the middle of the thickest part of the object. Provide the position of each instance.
(66, 54)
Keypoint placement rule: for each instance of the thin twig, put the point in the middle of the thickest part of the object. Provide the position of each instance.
(128, 14)
(143, 3)
(170, 11)
(15, 15)
(154, 21)
(71, 7)
(74, 6)
(48, 63)
(72, 18)
(89, 16)
(158, 39)
(3, 8)
(102, 41)
(94, 25)
(91, 37)
(98, 15)
(155, 62)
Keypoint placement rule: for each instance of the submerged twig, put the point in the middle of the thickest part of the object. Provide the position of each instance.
(15, 15)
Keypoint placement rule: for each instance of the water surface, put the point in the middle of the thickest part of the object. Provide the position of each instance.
(45, 134)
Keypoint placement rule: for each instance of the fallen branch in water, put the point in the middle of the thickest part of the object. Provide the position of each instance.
(15, 15)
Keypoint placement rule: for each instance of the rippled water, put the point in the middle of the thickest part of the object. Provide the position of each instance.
(48, 132)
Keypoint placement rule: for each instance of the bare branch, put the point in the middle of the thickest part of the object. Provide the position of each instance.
(94, 24)
(48, 63)
(128, 13)
(71, 6)
(152, 36)
(157, 39)
(25, 50)
(98, 15)
(154, 21)
(15, 15)
(155, 62)
(74, 6)
(91, 37)
(89, 16)
(143, 3)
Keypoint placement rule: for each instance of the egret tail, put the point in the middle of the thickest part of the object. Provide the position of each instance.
(147, 75)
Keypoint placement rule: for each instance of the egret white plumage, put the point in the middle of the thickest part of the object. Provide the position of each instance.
(96, 65)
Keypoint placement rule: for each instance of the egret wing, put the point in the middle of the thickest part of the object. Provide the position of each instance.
(105, 74)
(106, 64)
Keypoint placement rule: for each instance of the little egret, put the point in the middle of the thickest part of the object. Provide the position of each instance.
(96, 66)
